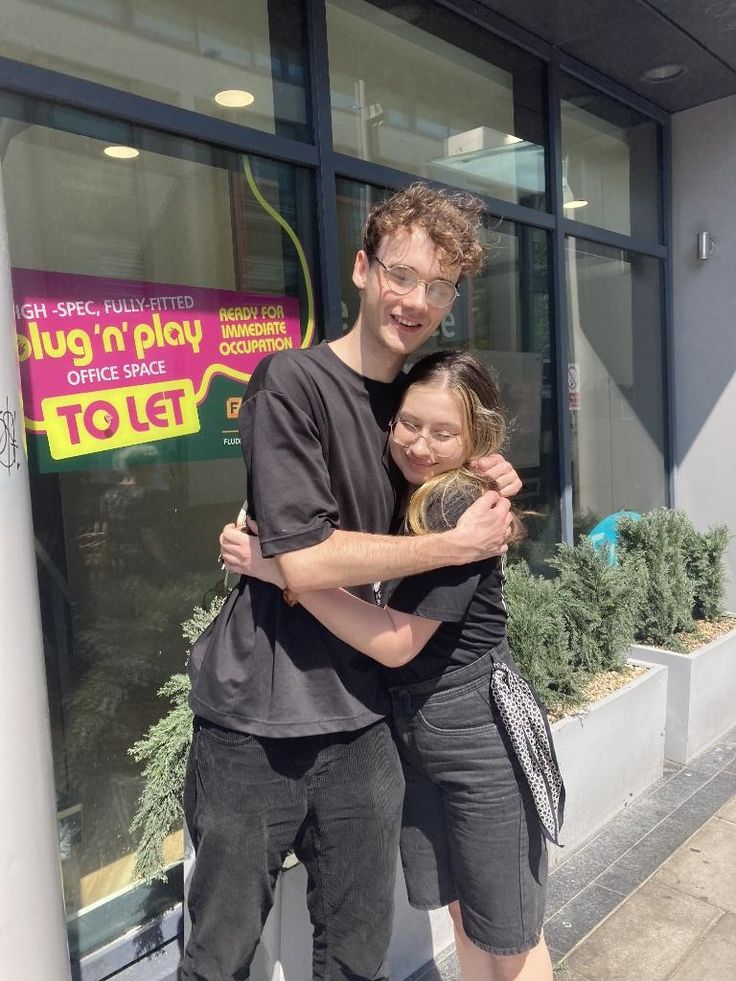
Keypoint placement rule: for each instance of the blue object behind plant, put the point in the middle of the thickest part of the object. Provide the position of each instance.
(605, 533)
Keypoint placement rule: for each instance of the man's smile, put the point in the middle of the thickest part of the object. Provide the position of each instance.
(404, 322)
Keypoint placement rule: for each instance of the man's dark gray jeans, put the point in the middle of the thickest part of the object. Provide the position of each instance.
(334, 799)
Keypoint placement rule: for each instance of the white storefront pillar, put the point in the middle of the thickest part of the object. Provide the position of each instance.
(33, 943)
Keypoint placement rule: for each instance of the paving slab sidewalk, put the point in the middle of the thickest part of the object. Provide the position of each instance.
(680, 925)
(652, 897)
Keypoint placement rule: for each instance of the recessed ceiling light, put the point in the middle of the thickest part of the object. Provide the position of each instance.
(664, 73)
(573, 205)
(121, 152)
(235, 98)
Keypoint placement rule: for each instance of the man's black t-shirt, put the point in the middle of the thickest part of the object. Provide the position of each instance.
(314, 438)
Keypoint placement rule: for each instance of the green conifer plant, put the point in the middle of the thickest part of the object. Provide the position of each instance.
(706, 568)
(538, 635)
(163, 752)
(658, 538)
(601, 604)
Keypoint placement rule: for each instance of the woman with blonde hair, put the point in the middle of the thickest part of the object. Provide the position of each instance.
(482, 786)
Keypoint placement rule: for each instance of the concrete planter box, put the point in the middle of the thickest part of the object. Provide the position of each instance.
(609, 754)
(701, 694)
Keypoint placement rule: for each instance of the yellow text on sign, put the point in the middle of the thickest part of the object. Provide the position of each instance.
(88, 422)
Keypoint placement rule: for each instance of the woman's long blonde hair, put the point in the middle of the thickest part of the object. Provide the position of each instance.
(438, 503)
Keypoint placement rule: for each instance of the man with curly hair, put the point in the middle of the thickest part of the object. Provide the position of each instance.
(292, 749)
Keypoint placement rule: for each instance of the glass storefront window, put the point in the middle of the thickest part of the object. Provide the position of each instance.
(610, 166)
(126, 536)
(238, 60)
(503, 316)
(417, 88)
(616, 401)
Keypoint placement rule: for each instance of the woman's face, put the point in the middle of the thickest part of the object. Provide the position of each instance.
(428, 437)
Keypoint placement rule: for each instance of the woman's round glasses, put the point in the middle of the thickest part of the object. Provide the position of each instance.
(403, 279)
(439, 444)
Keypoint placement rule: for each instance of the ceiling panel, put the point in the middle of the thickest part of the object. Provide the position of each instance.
(711, 22)
(623, 38)
(558, 21)
(625, 50)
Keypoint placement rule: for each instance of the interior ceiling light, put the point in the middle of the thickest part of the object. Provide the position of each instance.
(121, 152)
(664, 73)
(235, 98)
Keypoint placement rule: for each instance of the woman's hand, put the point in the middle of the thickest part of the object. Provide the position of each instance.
(497, 470)
(241, 553)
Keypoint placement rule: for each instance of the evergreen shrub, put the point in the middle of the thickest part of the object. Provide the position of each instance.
(601, 604)
(538, 635)
(163, 752)
(658, 539)
(706, 569)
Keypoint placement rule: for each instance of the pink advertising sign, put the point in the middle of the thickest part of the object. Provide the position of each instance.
(107, 363)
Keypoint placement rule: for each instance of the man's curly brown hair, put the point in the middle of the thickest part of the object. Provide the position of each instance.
(451, 220)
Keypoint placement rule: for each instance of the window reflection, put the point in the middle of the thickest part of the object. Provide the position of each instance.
(416, 88)
(610, 174)
(182, 53)
(616, 405)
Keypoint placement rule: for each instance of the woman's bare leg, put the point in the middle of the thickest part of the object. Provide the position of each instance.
(479, 965)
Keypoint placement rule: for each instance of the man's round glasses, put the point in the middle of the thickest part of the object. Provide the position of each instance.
(403, 279)
(439, 444)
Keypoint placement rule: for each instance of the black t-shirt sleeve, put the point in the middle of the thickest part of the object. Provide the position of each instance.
(444, 512)
(290, 493)
(443, 594)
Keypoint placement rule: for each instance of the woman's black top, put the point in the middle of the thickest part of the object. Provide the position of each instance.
(468, 599)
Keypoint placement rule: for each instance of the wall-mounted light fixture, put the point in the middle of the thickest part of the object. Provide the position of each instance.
(569, 201)
(705, 245)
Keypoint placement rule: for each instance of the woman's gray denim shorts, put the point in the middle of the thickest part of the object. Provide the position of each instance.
(470, 830)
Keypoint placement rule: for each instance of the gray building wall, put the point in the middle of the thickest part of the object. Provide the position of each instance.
(704, 199)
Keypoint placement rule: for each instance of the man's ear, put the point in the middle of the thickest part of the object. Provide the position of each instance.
(361, 267)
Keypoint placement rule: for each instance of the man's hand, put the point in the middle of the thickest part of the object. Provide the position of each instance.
(241, 553)
(483, 528)
(497, 468)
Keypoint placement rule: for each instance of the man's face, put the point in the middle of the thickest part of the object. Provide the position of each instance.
(397, 325)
